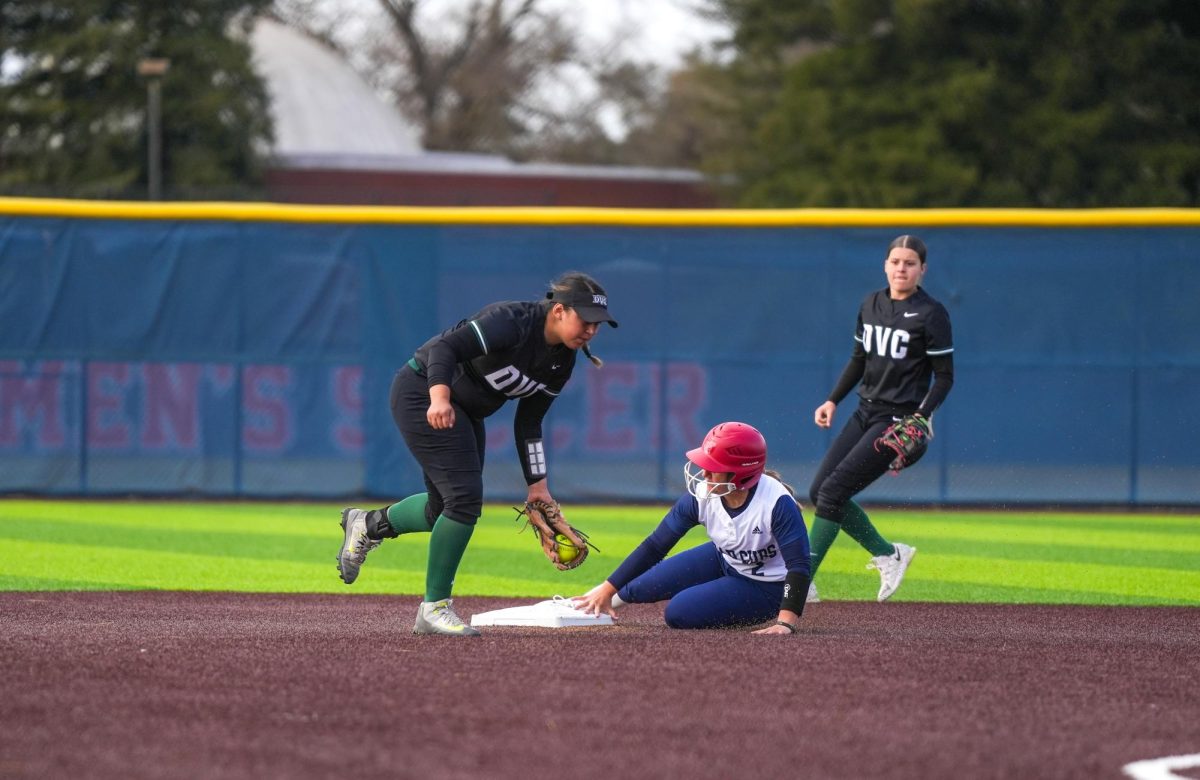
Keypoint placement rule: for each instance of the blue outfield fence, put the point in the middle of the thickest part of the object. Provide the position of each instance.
(232, 355)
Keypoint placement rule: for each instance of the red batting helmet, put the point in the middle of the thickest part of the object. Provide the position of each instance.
(733, 447)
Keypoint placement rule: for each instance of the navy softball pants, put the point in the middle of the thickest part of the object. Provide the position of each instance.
(705, 592)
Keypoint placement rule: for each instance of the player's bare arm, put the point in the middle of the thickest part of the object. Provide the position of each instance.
(441, 411)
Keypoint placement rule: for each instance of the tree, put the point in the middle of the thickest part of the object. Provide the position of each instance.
(963, 102)
(465, 77)
(686, 125)
(507, 77)
(74, 108)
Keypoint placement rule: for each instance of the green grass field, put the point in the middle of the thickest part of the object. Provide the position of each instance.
(964, 556)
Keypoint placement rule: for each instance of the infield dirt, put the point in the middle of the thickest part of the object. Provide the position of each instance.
(219, 685)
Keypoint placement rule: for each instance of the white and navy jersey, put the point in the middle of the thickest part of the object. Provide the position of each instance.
(746, 537)
(763, 539)
(898, 345)
(498, 354)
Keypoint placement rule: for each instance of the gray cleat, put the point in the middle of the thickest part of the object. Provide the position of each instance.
(356, 544)
(438, 617)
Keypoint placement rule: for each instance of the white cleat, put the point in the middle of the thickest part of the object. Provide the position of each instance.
(812, 597)
(438, 617)
(891, 569)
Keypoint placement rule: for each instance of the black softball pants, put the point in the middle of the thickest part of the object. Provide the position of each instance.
(451, 460)
(852, 462)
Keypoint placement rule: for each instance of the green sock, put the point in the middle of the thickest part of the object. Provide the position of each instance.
(408, 516)
(858, 527)
(820, 539)
(446, 548)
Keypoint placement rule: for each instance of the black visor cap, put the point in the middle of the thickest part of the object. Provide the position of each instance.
(591, 307)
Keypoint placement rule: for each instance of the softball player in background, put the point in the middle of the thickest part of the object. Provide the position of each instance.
(754, 569)
(902, 341)
(439, 400)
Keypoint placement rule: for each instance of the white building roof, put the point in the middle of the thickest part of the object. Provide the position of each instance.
(327, 117)
(319, 104)
(482, 164)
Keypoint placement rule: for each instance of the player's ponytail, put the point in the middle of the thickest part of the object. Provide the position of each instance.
(779, 477)
(597, 362)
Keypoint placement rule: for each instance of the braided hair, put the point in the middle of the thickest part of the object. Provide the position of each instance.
(576, 282)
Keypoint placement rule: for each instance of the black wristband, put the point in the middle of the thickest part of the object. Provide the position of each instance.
(788, 626)
(795, 592)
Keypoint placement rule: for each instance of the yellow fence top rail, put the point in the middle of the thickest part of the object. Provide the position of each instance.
(521, 215)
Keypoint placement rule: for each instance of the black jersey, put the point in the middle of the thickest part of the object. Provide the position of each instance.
(495, 355)
(498, 354)
(898, 341)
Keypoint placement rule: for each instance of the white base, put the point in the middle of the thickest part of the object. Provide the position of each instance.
(554, 613)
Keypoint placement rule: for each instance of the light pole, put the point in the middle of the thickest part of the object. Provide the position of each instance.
(152, 69)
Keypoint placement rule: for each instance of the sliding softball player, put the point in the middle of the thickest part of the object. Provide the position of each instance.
(754, 569)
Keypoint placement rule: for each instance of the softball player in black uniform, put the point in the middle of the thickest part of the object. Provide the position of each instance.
(512, 349)
(903, 340)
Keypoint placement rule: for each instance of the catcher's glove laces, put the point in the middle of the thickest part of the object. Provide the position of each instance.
(548, 524)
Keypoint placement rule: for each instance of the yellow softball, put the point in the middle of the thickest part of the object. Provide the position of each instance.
(567, 551)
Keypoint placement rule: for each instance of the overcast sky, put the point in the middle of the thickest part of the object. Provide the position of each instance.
(657, 32)
(653, 31)
(665, 29)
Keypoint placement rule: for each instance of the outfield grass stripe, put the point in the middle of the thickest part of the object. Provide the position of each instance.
(1135, 543)
(859, 586)
(250, 523)
(1053, 554)
(1135, 539)
(1032, 516)
(250, 520)
(971, 556)
(1141, 536)
(1063, 577)
(1027, 525)
(396, 571)
(38, 584)
(165, 569)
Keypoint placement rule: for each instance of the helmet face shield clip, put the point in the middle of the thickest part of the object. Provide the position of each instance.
(732, 448)
(701, 486)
